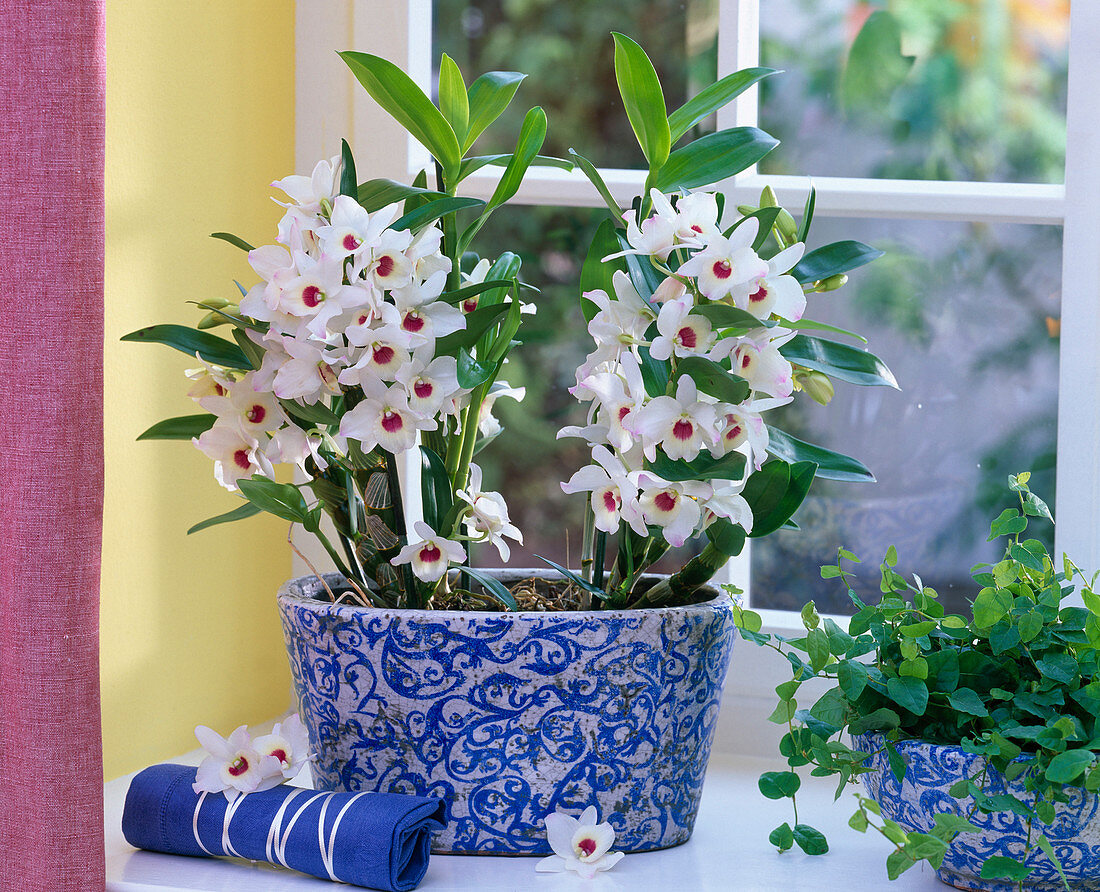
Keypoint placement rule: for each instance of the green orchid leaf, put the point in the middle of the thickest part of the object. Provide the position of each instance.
(596, 275)
(764, 490)
(472, 372)
(454, 102)
(811, 325)
(435, 489)
(475, 163)
(710, 378)
(281, 499)
(492, 586)
(840, 361)
(213, 349)
(593, 590)
(504, 269)
(466, 292)
(347, 172)
(531, 136)
(807, 216)
(713, 158)
(728, 538)
(182, 428)
(376, 194)
(716, 96)
(314, 413)
(488, 97)
(594, 177)
(477, 323)
(729, 467)
(723, 316)
(234, 240)
(399, 95)
(433, 210)
(832, 260)
(801, 477)
(245, 510)
(643, 99)
(654, 373)
(830, 465)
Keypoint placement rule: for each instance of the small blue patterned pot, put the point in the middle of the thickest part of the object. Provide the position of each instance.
(932, 768)
(512, 716)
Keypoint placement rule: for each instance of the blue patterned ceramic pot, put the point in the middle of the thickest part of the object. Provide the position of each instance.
(931, 770)
(512, 716)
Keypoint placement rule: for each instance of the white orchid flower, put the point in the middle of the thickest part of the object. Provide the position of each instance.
(383, 418)
(385, 266)
(681, 425)
(619, 393)
(288, 743)
(697, 217)
(724, 263)
(775, 292)
(236, 454)
(233, 765)
(384, 352)
(614, 493)
(726, 501)
(672, 506)
(210, 381)
(425, 255)
(681, 333)
(307, 192)
(657, 235)
(621, 322)
(487, 517)
(429, 386)
(487, 425)
(351, 229)
(740, 425)
(759, 362)
(475, 277)
(301, 371)
(254, 410)
(431, 555)
(580, 845)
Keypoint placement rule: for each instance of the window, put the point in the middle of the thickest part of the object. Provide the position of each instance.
(971, 307)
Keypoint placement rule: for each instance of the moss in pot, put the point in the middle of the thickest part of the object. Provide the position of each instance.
(977, 735)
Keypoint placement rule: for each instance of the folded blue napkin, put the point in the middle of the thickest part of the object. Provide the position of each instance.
(377, 840)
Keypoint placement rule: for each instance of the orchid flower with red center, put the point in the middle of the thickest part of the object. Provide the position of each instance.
(431, 555)
(680, 425)
(383, 418)
(233, 766)
(614, 493)
(776, 292)
(236, 454)
(681, 333)
(579, 844)
(486, 518)
(672, 506)
(351, 229)
(429, 386)
(288, 743)
(726, 262)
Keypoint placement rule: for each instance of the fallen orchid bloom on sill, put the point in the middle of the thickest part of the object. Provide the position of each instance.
(579, 844)
(238, 764)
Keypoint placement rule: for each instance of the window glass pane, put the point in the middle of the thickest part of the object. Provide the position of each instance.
(967, 317)
(565, 47)
(916, 89)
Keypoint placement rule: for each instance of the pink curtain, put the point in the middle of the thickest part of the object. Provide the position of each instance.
(51, 443)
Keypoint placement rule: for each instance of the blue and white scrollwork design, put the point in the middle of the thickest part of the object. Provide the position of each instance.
(509, 717)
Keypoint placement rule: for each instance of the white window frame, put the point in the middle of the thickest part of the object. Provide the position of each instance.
(330, 105)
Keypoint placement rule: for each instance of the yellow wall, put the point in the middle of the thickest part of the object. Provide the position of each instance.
(200, 118)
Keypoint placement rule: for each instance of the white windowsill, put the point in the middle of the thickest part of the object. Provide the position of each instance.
(729, 851)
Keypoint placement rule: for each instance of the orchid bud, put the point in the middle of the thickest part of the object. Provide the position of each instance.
(745, 209)
(816, 385)
(326, 208)
(211, 320)
(833, 283)
(767, 198)
(215, 303)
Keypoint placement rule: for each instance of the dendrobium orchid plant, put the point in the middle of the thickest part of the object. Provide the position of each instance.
(362, 339)
(696, 322)
(365, 338)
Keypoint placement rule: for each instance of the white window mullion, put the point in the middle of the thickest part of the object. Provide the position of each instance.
(1078, 468)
